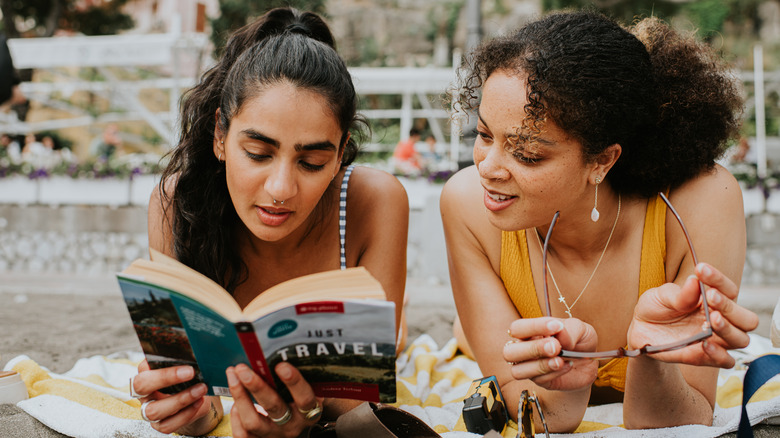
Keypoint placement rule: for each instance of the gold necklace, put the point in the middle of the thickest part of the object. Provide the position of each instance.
(561, 298)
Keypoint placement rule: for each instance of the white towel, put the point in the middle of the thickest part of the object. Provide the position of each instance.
(92, 398)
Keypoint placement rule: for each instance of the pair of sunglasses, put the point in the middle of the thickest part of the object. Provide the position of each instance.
(525, 416)
(647, 349)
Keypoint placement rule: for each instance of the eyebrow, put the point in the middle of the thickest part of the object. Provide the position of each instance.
(539, 139)
(316, 146)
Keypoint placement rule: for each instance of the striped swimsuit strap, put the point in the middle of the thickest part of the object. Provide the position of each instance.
(343, 217)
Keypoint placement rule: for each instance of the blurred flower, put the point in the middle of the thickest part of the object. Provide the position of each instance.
(123, 167)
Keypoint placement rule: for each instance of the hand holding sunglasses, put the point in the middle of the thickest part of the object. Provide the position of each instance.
(673, 318)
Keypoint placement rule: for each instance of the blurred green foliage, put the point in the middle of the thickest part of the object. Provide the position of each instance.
(41, 18)
(237, 13)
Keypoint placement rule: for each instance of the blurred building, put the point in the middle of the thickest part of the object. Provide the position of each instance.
(159, 16)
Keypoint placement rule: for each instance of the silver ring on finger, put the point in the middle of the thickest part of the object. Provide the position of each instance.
(143, 412)
(134, 394)
(284, 419)
(313, 413)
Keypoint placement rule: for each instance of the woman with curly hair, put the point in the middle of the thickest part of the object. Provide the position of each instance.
(596, 125)
(261, 190)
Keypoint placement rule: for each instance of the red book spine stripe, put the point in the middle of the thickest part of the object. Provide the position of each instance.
(246, 334)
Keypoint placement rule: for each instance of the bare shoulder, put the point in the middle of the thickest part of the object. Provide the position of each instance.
(461, 197)
(373, 189)
(160, 215)
(717, 187)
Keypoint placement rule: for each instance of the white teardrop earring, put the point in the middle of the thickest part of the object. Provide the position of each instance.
(594, 214)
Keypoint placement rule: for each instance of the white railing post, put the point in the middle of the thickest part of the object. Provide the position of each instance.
(758, 84)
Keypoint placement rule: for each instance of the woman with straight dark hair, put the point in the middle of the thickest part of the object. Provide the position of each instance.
(261, 190)
(572, 275)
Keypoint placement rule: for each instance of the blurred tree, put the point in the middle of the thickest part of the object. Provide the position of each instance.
(708, 16)
(236, 13)
(41, 18)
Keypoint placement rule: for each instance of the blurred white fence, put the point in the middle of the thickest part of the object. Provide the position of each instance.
(180, 56)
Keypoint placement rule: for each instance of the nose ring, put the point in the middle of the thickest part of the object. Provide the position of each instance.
(280, 202)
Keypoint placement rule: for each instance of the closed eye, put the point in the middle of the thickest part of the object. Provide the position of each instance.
(257, 157)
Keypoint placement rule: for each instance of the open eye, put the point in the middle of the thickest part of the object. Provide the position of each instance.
(482, 134)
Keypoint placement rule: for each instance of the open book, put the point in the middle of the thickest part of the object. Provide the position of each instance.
(335, 327)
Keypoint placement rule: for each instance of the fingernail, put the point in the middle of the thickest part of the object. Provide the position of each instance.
(198, 391)
(554, 364)
(717, 321)
(706, 270)
(284, 372)
(244, 375)
(549, 348)
(714, 297)
(555, 326)
(231, 377)
(185, 373)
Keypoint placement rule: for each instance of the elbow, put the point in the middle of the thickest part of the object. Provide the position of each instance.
(668, 421)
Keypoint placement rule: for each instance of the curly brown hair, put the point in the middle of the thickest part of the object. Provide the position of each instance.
(666, 98)
(282, 45)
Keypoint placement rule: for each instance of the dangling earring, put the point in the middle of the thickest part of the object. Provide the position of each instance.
(594, 214)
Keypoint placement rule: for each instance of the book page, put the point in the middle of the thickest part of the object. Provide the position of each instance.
(347, 284)
(177, 276)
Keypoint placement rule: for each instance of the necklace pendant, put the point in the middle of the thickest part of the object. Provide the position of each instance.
(561, 299)
(568, 312)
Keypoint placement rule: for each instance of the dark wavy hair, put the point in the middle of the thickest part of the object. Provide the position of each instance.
(283, 45)
(666, 98)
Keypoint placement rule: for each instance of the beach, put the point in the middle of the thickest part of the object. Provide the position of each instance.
(57, 319)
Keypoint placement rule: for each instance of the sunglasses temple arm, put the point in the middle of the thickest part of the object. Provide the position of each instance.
(693, 252)
(541, 416)
(544, 262)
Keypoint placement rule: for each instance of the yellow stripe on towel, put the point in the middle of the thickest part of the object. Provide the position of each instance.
(38, 382)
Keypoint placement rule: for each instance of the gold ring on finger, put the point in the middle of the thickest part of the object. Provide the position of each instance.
(313, 413)
(284, 419)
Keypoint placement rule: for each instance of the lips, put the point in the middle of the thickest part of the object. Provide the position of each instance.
(273, 216)
(496, 201)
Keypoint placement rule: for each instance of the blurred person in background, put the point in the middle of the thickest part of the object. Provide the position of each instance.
(10, 93)
(406, 159)
(10, 148)
(108, 145)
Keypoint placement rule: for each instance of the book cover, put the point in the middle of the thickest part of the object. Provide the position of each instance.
(344, 348)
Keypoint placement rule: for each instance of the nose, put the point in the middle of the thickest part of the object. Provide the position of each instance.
(281, 184)
(490, 162)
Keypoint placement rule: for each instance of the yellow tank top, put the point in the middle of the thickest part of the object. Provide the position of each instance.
(518, 279)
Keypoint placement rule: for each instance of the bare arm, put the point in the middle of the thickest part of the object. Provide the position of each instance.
(377, 228)
(190, 415)
(484, 308)
(679, 387)
(159, 219)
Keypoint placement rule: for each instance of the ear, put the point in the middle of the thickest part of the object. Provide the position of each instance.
(219, 137)
(604, 162)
